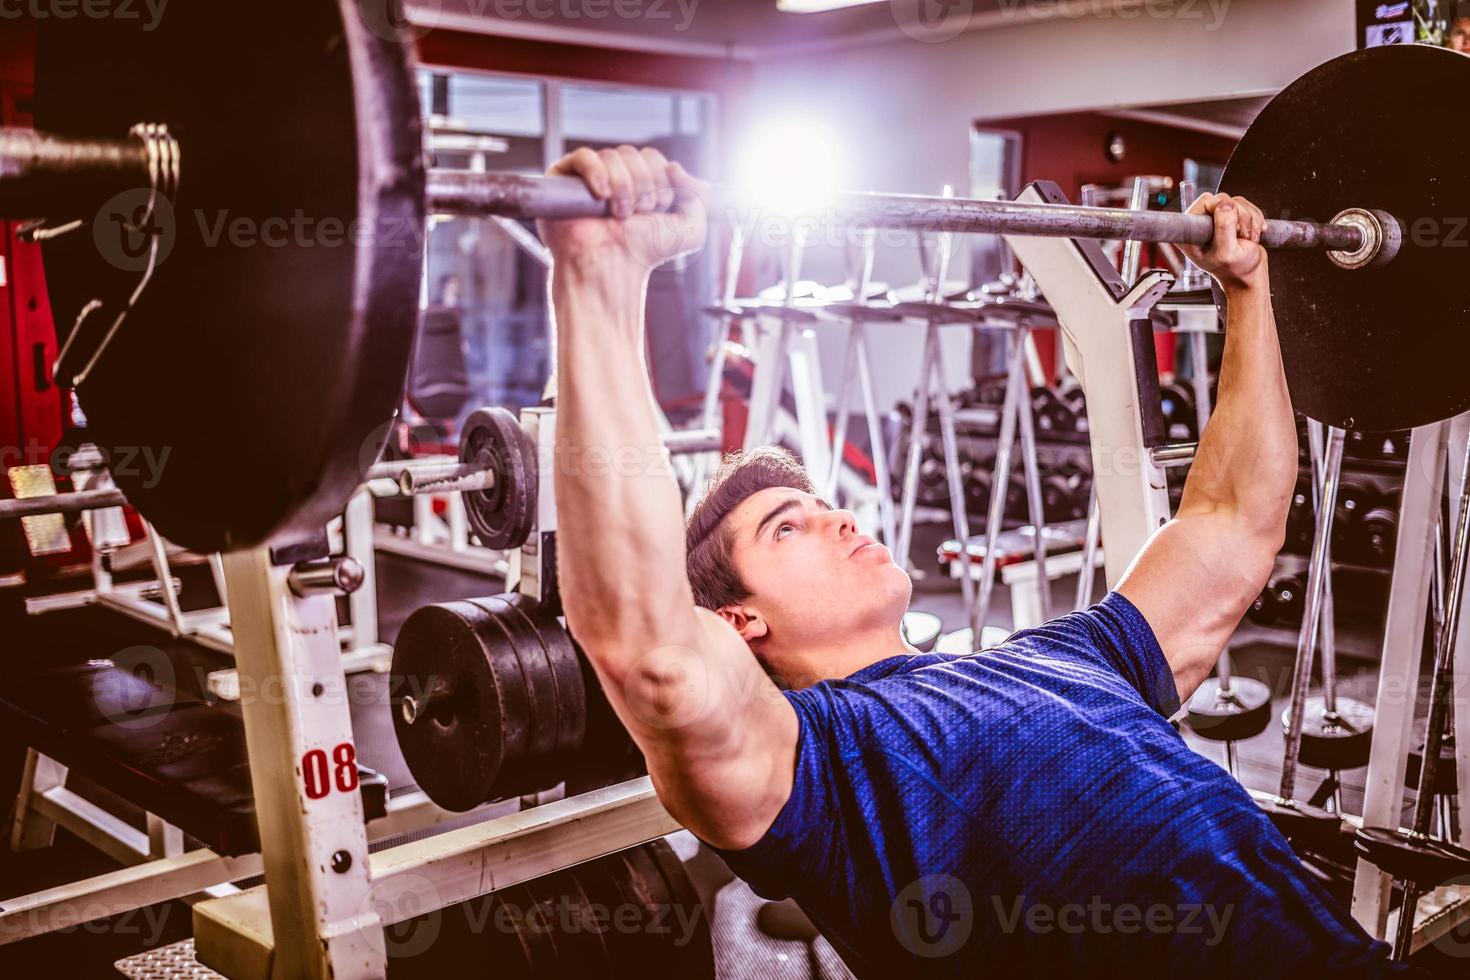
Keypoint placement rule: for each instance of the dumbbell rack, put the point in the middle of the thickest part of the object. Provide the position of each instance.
(326, 899)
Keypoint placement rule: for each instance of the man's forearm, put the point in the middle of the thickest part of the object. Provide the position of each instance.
(618, 508)
(1246, 465)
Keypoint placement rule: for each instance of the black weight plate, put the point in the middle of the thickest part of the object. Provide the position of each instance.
(645, 889)
(578, 937)
(575, 683)
(566, 675)
(265, 359)
(457, 750)
(1241, 714)
(534, 923)
(541, 697)
(1427, 863)
(690, 919)
(1341, 742)
(1380, 348)
(599, 882)
(1306, 826)
(1445, 778)
(503, 514)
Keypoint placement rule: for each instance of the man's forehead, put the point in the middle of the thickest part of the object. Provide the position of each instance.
(759, 504)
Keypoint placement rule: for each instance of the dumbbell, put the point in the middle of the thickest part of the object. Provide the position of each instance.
(1280, 603)
(1300, 519)
(1075, 398)
(1053, 416)
(1355, 499)
(1176, 401)
(1064, 493)
(1229, 709)
(492, 699)
(978, 481)
(1377, 536)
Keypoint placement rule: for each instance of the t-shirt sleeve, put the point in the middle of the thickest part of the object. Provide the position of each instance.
(800, 840)
(1116, 634)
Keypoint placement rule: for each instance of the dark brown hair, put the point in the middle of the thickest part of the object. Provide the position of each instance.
(707, 541)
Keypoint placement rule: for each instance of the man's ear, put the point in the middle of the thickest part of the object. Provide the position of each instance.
(746, 621)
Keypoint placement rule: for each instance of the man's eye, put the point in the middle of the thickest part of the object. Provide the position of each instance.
(781, 531)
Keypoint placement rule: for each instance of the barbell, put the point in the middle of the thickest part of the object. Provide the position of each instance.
(280, 275)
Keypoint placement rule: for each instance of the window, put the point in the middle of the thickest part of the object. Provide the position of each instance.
(491, 291)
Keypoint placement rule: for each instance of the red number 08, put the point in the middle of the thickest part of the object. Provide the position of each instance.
(343, 771)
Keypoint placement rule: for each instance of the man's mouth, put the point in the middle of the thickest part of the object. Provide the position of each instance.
(862, 542)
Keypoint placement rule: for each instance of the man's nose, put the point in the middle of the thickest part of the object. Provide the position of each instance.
(844, 521)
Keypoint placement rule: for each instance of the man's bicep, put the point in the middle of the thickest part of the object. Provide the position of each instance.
(1191, 582)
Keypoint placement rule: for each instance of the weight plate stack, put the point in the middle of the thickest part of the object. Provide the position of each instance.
(492, 699)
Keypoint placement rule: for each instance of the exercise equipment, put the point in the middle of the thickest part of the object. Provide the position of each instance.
(491, 699)
(1229, 709)
(1412, 857)
(502, 513)
(335, 139)
(627, 915)
(1305, 153)
(1176, 401)
(269, 373)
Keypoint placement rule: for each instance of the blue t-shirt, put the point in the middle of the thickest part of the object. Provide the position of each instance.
(1029, 811)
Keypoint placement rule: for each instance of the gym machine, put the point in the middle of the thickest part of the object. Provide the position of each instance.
(215, 129)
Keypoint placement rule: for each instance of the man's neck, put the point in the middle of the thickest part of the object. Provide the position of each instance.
(844, 656)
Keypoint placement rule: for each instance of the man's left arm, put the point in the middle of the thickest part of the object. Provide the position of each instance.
(1198, 575)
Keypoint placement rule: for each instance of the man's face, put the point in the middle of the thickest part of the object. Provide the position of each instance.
(1459, 37)
(813, 577)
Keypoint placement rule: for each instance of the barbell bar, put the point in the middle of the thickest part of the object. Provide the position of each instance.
(45, 175)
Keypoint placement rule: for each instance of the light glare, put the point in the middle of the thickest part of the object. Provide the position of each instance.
(791, 166)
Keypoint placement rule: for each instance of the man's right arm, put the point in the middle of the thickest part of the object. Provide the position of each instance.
(719, 738)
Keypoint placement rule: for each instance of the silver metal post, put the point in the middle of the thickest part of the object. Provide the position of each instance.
(1315, 439)
(1133, 248)
(710, 414)
(1086, 574)
(1005, 442)
(1032, 471)
(1302, 674)
(849, 368)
